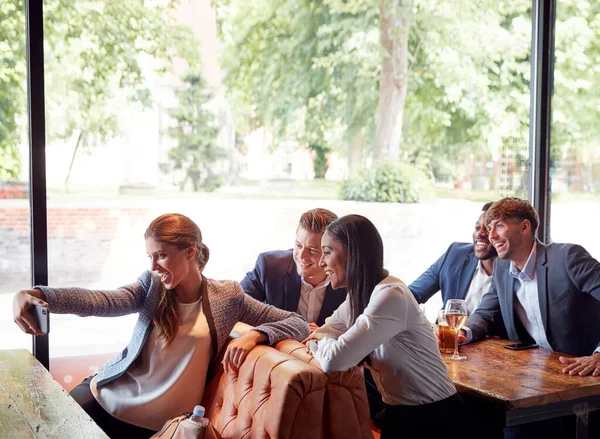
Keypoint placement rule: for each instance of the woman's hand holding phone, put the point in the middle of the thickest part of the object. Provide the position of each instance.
(24, 313)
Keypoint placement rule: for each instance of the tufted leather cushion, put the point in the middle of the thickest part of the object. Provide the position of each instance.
(274, 395)
(346, 414)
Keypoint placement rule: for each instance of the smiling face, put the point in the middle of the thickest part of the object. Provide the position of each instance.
(307, 253)
(482, 247)
(172, 264)
(334, 261)
(511, 237)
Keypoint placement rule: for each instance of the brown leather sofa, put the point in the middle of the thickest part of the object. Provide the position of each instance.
(346, 409)
(282, 393)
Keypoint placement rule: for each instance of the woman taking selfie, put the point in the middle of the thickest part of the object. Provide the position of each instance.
(381, 320)
(183, 324)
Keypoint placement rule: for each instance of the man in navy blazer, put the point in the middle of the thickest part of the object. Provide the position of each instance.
(549, 294)
(462, 272)
(292, 279)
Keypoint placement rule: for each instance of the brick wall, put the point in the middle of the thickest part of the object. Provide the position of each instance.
(80, 240)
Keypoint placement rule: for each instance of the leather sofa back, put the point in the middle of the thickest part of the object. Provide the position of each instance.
(274, 395)
(346, 414)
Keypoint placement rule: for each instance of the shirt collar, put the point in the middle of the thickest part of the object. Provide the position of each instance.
(528, 273)
(323, 284)
(480, 268)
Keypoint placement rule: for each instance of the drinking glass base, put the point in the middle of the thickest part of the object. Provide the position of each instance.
(456, 357)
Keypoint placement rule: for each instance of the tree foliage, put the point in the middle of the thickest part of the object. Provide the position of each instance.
(196, 133)
(97, 58)
(12, 74)
(314, 67)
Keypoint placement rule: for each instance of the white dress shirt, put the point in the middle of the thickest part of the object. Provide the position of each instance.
(311, 300)
(405, 359)
(480, 284)
(527, 305)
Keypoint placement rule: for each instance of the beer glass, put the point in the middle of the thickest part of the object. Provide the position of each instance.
(446, 334)
(456, 316)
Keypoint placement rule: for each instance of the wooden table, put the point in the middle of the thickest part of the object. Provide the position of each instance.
(33, 405)
(526, 385)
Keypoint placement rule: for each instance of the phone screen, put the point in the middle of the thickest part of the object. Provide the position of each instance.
(521, 346)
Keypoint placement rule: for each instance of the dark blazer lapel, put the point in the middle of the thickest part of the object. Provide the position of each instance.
(468, 267)
(511, 287)
(541, 273)
(292, 284)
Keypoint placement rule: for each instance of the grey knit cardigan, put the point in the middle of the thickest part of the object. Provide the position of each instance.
(224, 304)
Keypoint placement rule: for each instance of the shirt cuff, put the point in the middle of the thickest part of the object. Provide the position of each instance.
(468, 335)
(597, 351)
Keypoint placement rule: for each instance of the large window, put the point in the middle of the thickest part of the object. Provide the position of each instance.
(244, 114)
(575, 153)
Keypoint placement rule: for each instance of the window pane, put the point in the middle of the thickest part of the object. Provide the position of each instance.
(15, 256)
(575, 153)
(316, 74)
(243, 122)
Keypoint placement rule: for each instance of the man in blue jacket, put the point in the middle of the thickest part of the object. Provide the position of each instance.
(292, 279)
(543, 293)
(464, 271)
(547, 293)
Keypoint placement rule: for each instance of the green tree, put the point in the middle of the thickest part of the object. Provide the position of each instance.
(97, 56)
(196, 135)
(12, 74)
(285, 68)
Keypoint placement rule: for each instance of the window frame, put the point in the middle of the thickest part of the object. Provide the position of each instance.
(542, 68)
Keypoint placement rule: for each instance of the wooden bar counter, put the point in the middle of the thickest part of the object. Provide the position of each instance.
(525, 385)
(34, 405)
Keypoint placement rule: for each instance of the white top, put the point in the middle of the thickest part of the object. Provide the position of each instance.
(311, 300)
(480, 284)
(405, 358)
(162, 384)
(527, 305)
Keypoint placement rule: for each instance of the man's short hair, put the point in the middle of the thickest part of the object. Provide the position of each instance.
(316, 220)
(513, 207)
(486, 206)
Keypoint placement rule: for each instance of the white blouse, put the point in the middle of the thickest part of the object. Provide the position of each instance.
(162, 383)
(405, 359)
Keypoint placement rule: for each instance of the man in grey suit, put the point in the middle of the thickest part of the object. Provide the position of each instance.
(547, 294)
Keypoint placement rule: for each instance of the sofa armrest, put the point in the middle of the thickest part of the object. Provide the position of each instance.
(274, 395)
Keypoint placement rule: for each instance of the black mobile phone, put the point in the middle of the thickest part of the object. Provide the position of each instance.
(42, 318)
(521, 346)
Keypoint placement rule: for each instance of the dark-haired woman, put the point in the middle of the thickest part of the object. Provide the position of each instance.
(184, 320)
(381, 320)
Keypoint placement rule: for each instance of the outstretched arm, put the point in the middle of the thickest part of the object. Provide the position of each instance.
(83, 302)
(486, 316)
(384, 317)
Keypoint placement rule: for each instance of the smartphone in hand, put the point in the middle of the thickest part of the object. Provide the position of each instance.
(521, 346)
(42, 317)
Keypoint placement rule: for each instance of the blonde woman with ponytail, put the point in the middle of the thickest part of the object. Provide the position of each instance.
(184, 320)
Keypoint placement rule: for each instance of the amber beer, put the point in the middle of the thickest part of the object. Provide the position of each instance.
(447, 338)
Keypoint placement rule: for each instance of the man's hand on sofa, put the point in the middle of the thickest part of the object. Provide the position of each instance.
(238, 349)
